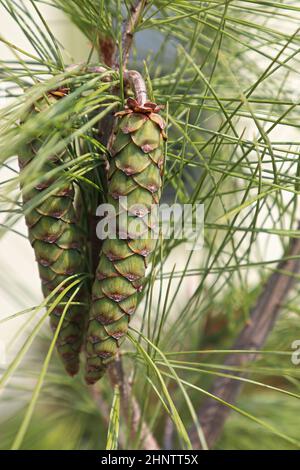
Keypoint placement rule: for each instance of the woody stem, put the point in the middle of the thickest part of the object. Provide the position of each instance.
(137, 84)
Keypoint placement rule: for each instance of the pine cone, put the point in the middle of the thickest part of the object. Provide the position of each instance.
(136, 167)
(57, 243)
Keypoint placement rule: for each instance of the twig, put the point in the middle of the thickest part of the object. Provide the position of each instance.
(106, 50)
(128, 30)
(137, 84)
(213, 414)
(130, 407)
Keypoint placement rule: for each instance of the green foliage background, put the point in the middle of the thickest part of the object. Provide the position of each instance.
(227, 73)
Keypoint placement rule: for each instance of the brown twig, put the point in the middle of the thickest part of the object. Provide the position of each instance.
(129, 27)
(130, 407)
(106, 49)
(137, 84)
(213, 413)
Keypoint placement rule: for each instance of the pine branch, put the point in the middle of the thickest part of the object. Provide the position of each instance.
(129, 27)
(213, 413)
(137, 84)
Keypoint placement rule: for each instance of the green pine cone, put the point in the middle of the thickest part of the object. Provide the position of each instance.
(57, 241)
(136, 166)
